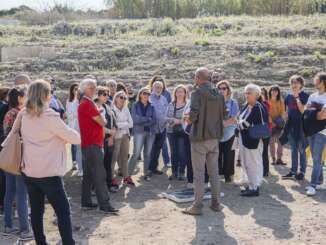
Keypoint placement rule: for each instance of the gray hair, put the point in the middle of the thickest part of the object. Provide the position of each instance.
(90, 76)
(253, 88)
(158, 83)
(86, 83)
(203, 73)
(22, 79)
(111, 81)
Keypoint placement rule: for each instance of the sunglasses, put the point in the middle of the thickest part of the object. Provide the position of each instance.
(223, 88)
(146, 93)
(105, 94)
(122, 98)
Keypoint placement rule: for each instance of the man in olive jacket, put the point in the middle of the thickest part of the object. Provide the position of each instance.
(207, 112)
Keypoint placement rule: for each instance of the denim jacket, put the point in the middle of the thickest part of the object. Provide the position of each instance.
(160, 104)
(140, 121)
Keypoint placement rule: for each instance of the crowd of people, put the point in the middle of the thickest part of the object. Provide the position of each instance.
(198, 129)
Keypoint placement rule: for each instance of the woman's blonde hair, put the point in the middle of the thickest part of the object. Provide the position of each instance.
(142, 90)
(227, 84)
(174, 99)
(37, 96)
(120, 93)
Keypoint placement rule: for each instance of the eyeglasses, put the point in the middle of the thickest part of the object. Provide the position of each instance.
(122, 98)
(223, 88)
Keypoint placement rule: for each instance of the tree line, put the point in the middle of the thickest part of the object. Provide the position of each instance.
(192, 8)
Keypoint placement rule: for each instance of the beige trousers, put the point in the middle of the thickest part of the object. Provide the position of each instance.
(205, 152)
(120, 155)
(252, 164)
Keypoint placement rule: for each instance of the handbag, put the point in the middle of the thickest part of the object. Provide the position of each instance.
(279, 122)
(259, 131)
(177, 129)
(11, 153)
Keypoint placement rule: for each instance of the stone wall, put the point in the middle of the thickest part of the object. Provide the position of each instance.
(9, 54)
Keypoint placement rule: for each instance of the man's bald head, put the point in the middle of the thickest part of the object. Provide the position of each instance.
(22, 79)
(202, 75)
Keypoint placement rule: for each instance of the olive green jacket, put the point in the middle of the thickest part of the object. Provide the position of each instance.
(207, 112)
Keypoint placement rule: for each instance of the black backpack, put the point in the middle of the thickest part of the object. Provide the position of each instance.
(311, 125)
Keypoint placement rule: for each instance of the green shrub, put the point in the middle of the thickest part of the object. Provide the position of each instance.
(217, 32)
(318, 56)
(165, 27)
(175, 51)
(121, 52)
(262, 57)
(203, 43)
(307, 72)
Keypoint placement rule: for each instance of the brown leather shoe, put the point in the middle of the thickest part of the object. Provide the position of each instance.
(193, 210)
(216, 206)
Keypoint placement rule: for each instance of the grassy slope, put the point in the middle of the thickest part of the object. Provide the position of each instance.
(248, 49)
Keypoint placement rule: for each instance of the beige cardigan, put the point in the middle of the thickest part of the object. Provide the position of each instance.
(44, 140)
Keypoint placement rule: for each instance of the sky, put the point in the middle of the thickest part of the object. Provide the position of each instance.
(41, 4)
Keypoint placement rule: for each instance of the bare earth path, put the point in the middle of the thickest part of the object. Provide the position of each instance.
(281, 215)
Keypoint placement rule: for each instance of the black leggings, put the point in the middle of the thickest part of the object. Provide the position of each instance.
(226, 158)
(265, 157)
(2, 187)
(51, 188)
(108, 156)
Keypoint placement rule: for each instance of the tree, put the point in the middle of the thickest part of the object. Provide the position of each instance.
(192, 8)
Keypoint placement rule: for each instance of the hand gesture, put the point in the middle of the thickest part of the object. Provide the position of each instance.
(113, 132)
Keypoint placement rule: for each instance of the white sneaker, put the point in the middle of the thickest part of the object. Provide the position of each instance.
(190, 186)
(321, 187)
(311, 191)
(80, 173)
(240, 183)
(26, 236)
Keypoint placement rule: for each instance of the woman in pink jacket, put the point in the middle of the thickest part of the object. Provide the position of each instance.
(44, 137)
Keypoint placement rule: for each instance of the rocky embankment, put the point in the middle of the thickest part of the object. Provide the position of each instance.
(265, 50)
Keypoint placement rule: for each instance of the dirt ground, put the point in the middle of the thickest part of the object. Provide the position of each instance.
(283, 214)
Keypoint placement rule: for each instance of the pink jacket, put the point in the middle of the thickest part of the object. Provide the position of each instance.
(44, 144)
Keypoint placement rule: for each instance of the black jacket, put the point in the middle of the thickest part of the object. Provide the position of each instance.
(110, 118)
(254, 118)
(311, 125)
(3, 110)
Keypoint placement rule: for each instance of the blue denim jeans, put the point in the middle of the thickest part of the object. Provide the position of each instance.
(317, 145)
(15, 186)
(160, 138)
(142, 141)
(73, 152)
(178, 153)
(165, 153)
(298, 149)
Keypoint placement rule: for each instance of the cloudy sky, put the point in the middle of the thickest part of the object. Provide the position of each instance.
(41, 4)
